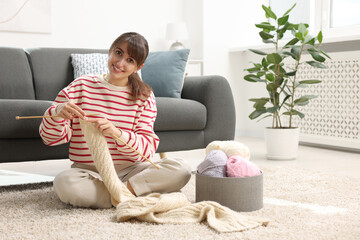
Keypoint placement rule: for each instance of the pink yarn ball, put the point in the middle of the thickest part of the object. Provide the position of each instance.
(238, 166)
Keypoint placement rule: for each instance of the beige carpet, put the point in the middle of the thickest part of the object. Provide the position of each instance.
(300, 204)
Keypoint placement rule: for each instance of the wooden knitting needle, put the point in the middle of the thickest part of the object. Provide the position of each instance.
(114, 136)
(47, 116)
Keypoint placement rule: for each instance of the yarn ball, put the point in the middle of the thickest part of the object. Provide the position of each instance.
(214, 164)
(230, 148)
(238, 166)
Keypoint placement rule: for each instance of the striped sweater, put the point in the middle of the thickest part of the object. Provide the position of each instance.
(95, 95)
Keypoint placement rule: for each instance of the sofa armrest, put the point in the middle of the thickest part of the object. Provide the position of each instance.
(215, 93)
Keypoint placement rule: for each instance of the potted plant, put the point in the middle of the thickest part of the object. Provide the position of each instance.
(278, 70)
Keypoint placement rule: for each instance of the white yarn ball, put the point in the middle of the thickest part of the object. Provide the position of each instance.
(214, 145)
(230, 148)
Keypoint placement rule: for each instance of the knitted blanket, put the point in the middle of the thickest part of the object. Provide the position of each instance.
(160, 208)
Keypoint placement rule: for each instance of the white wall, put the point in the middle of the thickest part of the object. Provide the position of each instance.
(95, 24)
(193, 17)
(226, 25)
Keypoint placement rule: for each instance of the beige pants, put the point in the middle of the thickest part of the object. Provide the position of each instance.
(82, 186)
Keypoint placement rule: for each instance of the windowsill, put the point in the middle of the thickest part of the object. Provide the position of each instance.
(336, 44)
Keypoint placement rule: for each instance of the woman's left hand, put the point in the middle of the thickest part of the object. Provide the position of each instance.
(105, 126)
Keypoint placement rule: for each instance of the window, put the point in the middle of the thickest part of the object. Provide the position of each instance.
(344, 13)
(338, 19)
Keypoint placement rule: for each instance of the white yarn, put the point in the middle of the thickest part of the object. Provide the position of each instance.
(160, 208)
(230, 148)
(104, 164)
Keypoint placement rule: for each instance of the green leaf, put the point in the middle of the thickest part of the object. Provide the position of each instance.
(293, 73)
(272, 109)
(309, 81)
(251, 78)
(304, 100)
(291, 42)
(268, 41)
(266, 25)
(308, 39)
(256, 113)
(287, 12)
(280, 35)
(264, 63)
(260, 74)
(281, 79)
(316, 64)
(301, 100)
(296, 50)
(274, 58)
(251, 70)
(281, 21)
(316, 56)
(259, 105)
(325, 54)
(299, 36)
(270, 77)
(257, 51)
(289, 54)
(259, 99)
(265, 35)
(257, 65)
(311, 42)
(285, 99)
(303, 103)
(277, 69)
(310, 96)
(269, 12)
(301, 115)
(320, 37)
(271, 87)
(302, 29)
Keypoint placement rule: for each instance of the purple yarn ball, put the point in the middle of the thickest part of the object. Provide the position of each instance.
(214, 164)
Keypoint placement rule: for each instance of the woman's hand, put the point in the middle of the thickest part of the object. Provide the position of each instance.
(69, 110)
(105, 126)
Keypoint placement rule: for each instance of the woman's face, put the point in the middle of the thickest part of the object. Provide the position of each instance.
(121, 65)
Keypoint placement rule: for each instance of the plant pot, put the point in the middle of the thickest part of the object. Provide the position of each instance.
(282, 143)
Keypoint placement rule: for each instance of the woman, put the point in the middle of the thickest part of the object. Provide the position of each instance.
(126, 108)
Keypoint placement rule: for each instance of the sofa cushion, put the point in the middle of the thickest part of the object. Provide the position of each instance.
(165, 72)
(179, 114)
(52, 69)
(15, 78)
(26, 128)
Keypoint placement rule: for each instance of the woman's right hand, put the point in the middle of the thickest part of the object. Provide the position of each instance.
(69, 110)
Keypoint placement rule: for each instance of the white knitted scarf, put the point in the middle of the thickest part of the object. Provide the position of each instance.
(172, 208)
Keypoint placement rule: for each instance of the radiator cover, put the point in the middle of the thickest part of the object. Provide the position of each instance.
(333, 118)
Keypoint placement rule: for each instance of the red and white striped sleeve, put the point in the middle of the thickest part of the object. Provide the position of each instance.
(56, 131)
(142, 138)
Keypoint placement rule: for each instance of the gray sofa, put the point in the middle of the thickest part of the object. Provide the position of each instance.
(30, 79)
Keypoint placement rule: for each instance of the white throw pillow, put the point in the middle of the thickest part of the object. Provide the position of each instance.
(90, 64)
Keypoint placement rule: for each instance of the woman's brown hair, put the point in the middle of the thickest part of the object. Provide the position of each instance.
(138, 48)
